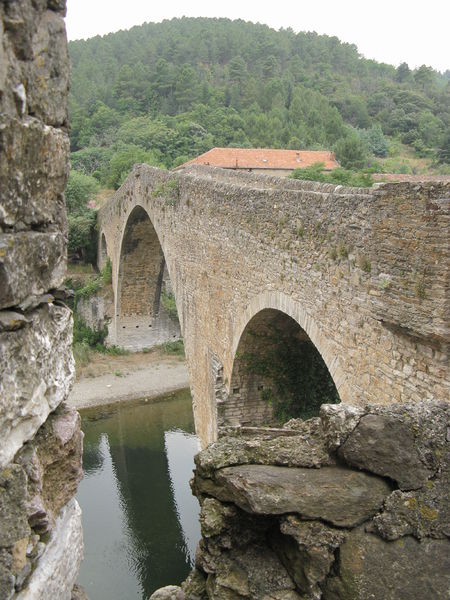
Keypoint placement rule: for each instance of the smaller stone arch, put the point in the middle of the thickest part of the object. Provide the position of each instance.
(142, 319)
(278, 370)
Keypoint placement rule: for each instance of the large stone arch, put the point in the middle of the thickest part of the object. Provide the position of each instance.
(270, 307)
(140, 277)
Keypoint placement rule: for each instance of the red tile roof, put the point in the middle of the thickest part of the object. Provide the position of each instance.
(263, 158)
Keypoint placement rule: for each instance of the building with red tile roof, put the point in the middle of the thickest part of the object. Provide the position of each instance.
(264, 160)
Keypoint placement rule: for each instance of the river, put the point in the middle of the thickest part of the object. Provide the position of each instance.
(140, 519)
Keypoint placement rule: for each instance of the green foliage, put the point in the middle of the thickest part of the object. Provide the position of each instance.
(175, 348)
(83, 334)
(92, 286)
(80, 190)
(123, 160)
(87, 340)
(106, 273)
(168, 302)
(82, 243)
(443, 154)
(176, 89)
(350, 152)
(374, 140)
(339, 176)
(300, 381)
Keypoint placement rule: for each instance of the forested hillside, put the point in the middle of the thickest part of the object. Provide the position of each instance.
(163, 93)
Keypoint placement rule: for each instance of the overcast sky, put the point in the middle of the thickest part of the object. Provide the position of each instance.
(392, 31)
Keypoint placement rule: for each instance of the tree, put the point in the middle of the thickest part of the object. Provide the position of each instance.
(375, 140)
(403, 73)
(443, 154)
(424, 76)
(350, 152)
(124, 159)
(80, 190)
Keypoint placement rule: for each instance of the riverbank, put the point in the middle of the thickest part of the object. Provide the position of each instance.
(110, 379)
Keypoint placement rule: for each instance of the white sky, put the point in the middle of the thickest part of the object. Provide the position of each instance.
(392, 31)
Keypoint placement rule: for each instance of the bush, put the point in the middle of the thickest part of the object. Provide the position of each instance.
(82, 244)
(168, 302)
(83, 334)
(350, 152)
(80, 190)
(340, 176)
(176, 348)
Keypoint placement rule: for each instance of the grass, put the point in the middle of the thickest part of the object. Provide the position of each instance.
(175, 348)
(168, 302)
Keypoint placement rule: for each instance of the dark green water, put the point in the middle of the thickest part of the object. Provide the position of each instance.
(140, 519)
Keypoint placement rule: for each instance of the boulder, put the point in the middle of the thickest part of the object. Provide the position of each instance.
(31, 389)
(421, 513)
(31, 263)
(303, 446)
(195, 586)
(373, 569)
(338, 421)
(169, 592)
(400, 444)
(13, 506)
(254, 572)
(33, 174)
(307, 550)
(57, 568)
(52, 462)
(334, 494)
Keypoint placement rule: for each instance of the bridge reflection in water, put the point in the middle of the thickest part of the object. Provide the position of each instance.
(139, 517)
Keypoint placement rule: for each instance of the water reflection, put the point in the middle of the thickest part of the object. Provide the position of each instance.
(140, 519)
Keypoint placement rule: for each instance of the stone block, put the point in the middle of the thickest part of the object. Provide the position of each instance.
(52, 461)
(7, 579)
(37, 369)
(294, 448)
(169, 592)
(406, 569)
(405, 444)
(33, 174)
(57, 569)
(333, 494)
(31, 263)
(48, 75)
(13, 506)
(307, 550)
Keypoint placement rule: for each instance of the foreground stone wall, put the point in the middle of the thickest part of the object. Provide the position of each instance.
(40, 439)
(364, 272)
(349, 506)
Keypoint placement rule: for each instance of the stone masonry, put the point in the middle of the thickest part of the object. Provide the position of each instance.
(364, 272)
(353, 505)
(40, 438)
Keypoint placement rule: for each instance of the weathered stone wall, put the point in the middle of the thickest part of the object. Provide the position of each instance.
(40, 439)
(365, 273)
(349, 506)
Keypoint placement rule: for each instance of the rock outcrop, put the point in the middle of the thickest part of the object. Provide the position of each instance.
(40, 439)
(366, 517)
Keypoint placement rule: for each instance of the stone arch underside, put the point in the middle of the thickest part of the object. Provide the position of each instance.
(275, 335)
(143, 315)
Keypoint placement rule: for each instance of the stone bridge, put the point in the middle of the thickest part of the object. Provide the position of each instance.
(360, 274)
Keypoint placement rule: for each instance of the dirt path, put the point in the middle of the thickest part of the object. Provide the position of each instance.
(109, 379)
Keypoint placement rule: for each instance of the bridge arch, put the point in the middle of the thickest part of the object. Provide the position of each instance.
(143, 291)
(275, 333)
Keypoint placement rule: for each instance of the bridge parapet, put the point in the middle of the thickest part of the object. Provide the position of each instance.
(365, 272)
